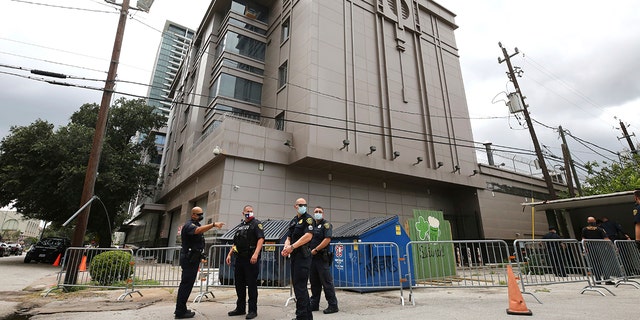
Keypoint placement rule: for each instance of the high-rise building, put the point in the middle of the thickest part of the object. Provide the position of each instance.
(357, 106)
(174, 44)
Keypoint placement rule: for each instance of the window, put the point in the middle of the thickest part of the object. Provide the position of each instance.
(284, 30)
(282, 75)
(178, 158)
(237, 88)
(243, 45)
(250, 9)
(280, 121)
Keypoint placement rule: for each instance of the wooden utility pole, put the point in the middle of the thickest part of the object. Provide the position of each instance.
(627, 137)
(569, 164)
(96, 149)
(534, 138)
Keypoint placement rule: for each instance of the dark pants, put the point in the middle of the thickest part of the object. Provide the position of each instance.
(246, 276)
(320, 277)
(189, 274)
(300, 265)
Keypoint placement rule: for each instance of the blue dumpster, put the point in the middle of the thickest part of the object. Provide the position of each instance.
(369, 267)
(274, 269)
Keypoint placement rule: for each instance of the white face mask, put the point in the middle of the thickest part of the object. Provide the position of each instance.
(317, 216)
(302, 210)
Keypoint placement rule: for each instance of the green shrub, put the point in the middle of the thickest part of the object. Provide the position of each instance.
(111, 266)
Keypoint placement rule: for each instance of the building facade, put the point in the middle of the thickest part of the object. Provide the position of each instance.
(15, 228)
(357, 106)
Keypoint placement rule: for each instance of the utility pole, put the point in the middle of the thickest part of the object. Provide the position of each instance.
(568, 163)
(551, 215)
(534, 138)
(628, 137)
(96, 149)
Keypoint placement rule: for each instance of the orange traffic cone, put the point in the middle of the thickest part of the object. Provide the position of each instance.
(517, 305)
(57, 262)
(83, 264)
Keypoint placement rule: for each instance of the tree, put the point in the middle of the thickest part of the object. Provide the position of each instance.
(42, 171)
(613, 177)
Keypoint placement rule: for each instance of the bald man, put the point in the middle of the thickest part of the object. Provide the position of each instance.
(192, 236)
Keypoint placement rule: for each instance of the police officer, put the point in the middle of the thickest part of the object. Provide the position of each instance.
(592, 231)
(555, 250)
(320, 276)
(192, 235)
(247, 245)
(297, 246)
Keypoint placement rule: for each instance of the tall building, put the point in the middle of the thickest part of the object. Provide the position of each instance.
(174, 44)
(357, 106)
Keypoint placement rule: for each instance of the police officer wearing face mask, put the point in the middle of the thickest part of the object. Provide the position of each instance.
(297, 246)
(320, 276)
(247, 245)
(192, 235)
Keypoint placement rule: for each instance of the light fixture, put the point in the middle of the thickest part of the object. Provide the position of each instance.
(372, 149)
(345, 143)
(329, 177)
(395, 155)
(261, 166)
(440, 164)
(289, 144)
(474, 173)
(456, 168)
(236, 187)
(418, 160)
(216, 150)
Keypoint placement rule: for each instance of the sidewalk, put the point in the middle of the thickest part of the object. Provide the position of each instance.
(561, 301)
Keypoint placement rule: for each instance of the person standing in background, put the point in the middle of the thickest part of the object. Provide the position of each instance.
(320, 276)
(247, 245)
(192, 235)
(297, 246)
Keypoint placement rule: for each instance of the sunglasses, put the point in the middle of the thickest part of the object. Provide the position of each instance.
(301, 204)
(200, 214)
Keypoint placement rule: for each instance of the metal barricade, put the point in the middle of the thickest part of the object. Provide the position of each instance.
(91, 268)
(369, 266)
(629, 252)
(458, 263)
(158, 267)
(551, 261)
(274, 272)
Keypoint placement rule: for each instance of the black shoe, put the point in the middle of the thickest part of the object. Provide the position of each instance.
(610, 283)
(236, 312)
(186, 315)
(330, 310)
(251, 315)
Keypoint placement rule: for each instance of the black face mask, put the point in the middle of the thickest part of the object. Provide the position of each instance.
(200, 218)
(592, 223)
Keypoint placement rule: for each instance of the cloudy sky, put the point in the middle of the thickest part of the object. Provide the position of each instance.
(580, 62)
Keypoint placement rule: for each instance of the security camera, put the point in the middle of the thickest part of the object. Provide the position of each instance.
(216, 151)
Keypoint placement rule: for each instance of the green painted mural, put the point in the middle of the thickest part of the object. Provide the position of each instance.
(431, 260)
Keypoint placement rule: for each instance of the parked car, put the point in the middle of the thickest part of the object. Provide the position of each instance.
(47, 250)
(4, 249)
(15, 249)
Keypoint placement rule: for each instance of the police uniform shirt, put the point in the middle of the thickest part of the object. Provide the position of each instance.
(593, 232)
(636, 214)
(247, 235)
(551, 235)
(322, 230)
(299, 226)
(191, 240)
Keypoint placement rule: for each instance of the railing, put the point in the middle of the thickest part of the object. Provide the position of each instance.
(461, 264)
